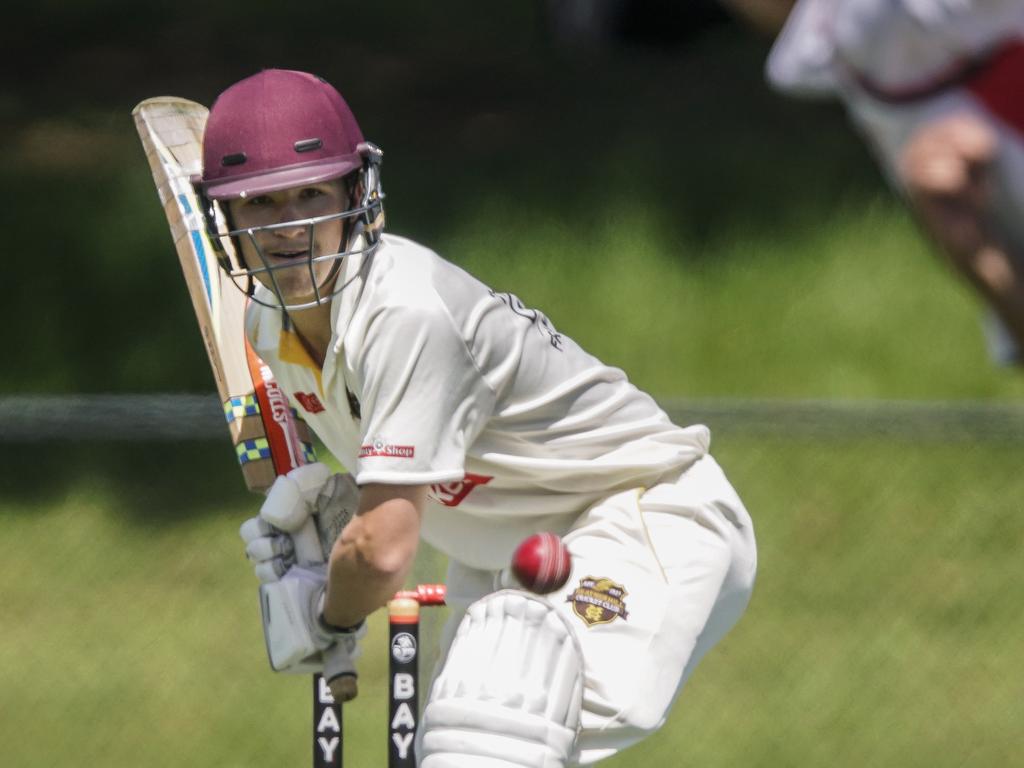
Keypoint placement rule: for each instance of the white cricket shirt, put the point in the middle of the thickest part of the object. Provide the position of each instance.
(433, 378)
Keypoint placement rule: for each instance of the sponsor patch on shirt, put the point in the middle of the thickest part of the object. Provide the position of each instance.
(452, 494)
(598, 601)
(381, 447)
(310, 402)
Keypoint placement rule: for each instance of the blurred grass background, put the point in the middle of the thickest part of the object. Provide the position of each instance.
(884, 629)
(665, 210)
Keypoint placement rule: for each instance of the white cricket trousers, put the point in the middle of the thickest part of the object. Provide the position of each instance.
(659, 576)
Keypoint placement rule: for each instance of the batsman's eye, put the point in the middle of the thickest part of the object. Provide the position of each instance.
(307, 193)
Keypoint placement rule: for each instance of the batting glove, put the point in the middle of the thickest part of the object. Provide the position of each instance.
(301, 518)
(297, 637)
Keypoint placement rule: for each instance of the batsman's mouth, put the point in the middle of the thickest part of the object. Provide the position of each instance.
(290, 255)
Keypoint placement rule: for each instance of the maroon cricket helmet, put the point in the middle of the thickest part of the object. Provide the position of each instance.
(276, 130)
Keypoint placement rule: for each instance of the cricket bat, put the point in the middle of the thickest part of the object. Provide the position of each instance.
(268, 436)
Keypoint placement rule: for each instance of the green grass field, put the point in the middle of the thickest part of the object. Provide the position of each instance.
(884, 629)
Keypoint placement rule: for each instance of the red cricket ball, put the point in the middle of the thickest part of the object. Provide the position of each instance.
(542, 563)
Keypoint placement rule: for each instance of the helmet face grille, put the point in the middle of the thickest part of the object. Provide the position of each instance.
(363, 226)
(319, 271)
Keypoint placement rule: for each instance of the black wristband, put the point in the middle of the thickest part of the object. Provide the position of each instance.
(335, 630)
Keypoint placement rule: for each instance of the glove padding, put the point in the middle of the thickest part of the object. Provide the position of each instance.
(298, 640)
(282, 534)
(271, 551)
(288, 542)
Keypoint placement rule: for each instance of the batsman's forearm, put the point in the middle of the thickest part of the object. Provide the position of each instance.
(356, 588)
(373, 555)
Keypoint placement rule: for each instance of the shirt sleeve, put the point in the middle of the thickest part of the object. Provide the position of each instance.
(920, 46)
(802, 59)
(423, 399)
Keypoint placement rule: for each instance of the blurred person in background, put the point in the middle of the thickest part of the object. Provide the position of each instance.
(936, 88)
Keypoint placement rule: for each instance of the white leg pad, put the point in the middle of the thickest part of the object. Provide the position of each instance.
(510, 691)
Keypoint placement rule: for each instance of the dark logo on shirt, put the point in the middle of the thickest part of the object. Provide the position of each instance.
(598, 601)
(537, 318)
(353, 405)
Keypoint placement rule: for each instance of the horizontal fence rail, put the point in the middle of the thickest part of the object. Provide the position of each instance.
(176, 416)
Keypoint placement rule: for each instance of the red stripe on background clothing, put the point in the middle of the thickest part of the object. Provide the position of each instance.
(999, 85)
(953, 75)
(995, 78)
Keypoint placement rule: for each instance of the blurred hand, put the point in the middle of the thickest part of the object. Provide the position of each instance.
(946, 168)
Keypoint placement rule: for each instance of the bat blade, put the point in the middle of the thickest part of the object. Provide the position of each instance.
(269, 437)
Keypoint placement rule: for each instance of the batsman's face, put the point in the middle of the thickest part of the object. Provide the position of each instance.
(283, 247)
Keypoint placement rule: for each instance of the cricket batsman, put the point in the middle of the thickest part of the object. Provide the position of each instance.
(934, 86)
(465, 418)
